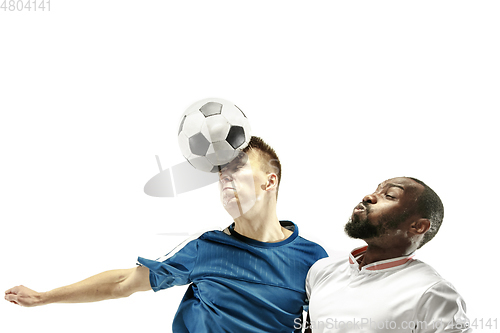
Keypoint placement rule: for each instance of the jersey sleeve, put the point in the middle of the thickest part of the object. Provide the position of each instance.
(312, 274)
(174, 269)
(310, 281)
(441, 309)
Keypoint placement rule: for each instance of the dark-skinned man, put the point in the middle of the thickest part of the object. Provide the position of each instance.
(380, 287)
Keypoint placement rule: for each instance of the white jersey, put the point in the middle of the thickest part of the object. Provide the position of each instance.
(396, 295)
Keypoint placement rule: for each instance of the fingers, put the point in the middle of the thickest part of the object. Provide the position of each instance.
(22, 296)
(11, 295)
(14, 290)
(11, 298)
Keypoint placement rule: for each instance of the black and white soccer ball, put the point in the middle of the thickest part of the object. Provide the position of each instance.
(212, 132)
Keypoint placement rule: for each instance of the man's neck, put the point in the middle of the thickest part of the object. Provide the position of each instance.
(376, 253)
(265, 228)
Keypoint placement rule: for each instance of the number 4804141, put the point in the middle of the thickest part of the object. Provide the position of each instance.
(25, 5)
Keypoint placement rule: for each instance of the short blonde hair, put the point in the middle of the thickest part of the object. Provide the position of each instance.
(271, 161)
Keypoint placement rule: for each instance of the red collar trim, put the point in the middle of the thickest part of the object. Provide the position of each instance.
(379, 265)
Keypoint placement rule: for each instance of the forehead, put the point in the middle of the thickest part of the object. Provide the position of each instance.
(409, 186)
(243, 159)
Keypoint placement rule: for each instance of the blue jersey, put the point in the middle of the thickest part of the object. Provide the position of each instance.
(237, 284)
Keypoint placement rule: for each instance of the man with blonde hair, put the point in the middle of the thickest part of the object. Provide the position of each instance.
(249, 277)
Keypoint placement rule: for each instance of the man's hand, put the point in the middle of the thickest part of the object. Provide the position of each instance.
(23, 296)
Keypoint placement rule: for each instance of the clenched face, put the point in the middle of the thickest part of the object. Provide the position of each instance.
(239, 184)
(382, 212)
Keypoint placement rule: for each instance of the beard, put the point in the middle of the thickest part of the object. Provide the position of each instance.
(362, 228)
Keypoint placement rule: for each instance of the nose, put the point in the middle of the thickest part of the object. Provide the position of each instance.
(370, 198)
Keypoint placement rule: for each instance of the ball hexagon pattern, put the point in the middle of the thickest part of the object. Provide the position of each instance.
(212, 132)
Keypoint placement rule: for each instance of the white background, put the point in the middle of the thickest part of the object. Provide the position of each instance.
(349, 94)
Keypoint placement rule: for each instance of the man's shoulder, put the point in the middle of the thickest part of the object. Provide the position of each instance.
(425, 273)
(307, 241)
(303, 240)
(309, 250)
(323, 269)
(215, 235)
(310, 247)
(437, 295)
(328, 265)
(188, 244)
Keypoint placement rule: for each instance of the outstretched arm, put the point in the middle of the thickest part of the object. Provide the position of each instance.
(107, 285)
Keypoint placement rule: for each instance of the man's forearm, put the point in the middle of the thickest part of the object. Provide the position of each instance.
(99, 287)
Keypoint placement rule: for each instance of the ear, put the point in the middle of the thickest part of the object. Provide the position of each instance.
(272, 181)
(420, 226)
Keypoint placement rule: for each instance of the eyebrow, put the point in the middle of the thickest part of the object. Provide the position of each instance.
(392, 185)
(237, 161)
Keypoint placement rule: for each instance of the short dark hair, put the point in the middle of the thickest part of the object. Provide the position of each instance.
(429, 206)
(268, 155)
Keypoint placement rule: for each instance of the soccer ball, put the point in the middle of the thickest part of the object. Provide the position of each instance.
(212, 132)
